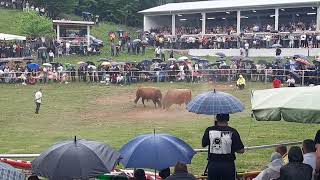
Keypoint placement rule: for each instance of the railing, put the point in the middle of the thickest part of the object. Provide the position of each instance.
(197, 150)
(302, 77)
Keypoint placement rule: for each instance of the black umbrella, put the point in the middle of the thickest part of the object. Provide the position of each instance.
(90, 63)
(78, 159)
(157, 60)
(262, 62)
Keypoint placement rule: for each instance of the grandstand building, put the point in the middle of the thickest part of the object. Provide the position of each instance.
(211, 17)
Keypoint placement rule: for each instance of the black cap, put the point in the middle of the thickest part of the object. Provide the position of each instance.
(222, 117)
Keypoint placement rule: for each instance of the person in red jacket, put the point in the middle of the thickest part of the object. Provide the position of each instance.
(276, 83)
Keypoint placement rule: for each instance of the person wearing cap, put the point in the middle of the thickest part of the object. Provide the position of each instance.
(38, 100)
(223, 142)
(241, 82)
(296, 169)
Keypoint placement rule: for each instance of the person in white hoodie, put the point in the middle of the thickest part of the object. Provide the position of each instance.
(272, 170)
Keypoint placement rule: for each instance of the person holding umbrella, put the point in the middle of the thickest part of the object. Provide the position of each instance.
(223, 142)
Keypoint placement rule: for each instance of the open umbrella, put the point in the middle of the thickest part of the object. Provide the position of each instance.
(262, 62)
(299, 104)
(105, 64)
(33, 66)
(136, 41)
(303, 61)
(78, 159)
(300, 56)
(47, 64)
(195, 58)
(203, 61)
(236, 58)
(90, 63)
(155, 151)
(220, 54)
(92, 67)
(171, 59)
(8, 172)
(183, 58)
(213, 102)
(103, 60)
(146, 62)
(157, 60)
(80, 62)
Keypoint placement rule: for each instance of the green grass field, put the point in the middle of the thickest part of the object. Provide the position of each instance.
(108, 114)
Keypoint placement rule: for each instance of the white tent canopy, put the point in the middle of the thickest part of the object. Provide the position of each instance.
(11, 37)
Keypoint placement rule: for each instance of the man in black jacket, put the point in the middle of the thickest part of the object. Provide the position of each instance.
(295, 169)
(223, 142)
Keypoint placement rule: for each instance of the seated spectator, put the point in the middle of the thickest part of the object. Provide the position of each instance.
(309, 153)
(164, 173)
(181, 172)
(295, 169)
(276, 83)
(139, 174)
(283, 151)
(272, 170)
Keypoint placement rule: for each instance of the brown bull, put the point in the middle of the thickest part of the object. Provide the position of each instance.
(176, 96)
(149, 93)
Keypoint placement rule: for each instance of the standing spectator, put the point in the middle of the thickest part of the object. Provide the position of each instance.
(51, 56)
(181, 173)
(223, 142)
(291, 41)
(318, 40)
(246, 47)
(157, 52)
(278, 52)
(68, 48)
(303, 39)
(295, 169)
(38, 100)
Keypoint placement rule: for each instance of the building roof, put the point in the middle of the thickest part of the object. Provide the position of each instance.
(226, 5)
(73, 23)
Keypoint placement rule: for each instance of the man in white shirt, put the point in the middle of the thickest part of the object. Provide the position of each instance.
(303, 39)
(51, 56)
(38, 100)
(309, 153)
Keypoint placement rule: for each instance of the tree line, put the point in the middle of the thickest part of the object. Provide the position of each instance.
(117, 11)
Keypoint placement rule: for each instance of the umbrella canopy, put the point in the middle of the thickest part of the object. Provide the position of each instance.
(136, 41)
(105, 63)
(203, 61)
(220, 54)
(78, 159)
(195, 58)
(212, 103)
(276, 46)
(146, 62)
(300, 56)
(47, 64)
(262, 62)
(80, 62)
(248, 60)
(90, 63)
(8, 172)
(236, 58)
(303, 61)
(11, 37)
(298, 104)
(157, 60)
(172, 59)
(183, 58)
(33, 66)
(92, 67)
(155, 151)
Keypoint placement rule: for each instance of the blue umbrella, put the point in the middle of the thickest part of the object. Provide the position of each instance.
(155, 151)
(195, 58)
(212, 103)
(146, 62)
(33, 66)
(8, 172)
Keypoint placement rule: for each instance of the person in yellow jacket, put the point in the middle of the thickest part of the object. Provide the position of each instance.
(241, 82)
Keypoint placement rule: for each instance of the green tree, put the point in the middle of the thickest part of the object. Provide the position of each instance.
(31, 24)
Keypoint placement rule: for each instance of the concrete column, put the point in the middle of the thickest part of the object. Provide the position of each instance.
(145, 24)
(238, 22)
(58, 32)
(276, 19)
(318, 18)
(173, 25)
(88, 35)
(203, 32)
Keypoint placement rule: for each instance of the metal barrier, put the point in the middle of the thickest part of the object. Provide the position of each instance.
(197, 150)
(303, 77)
